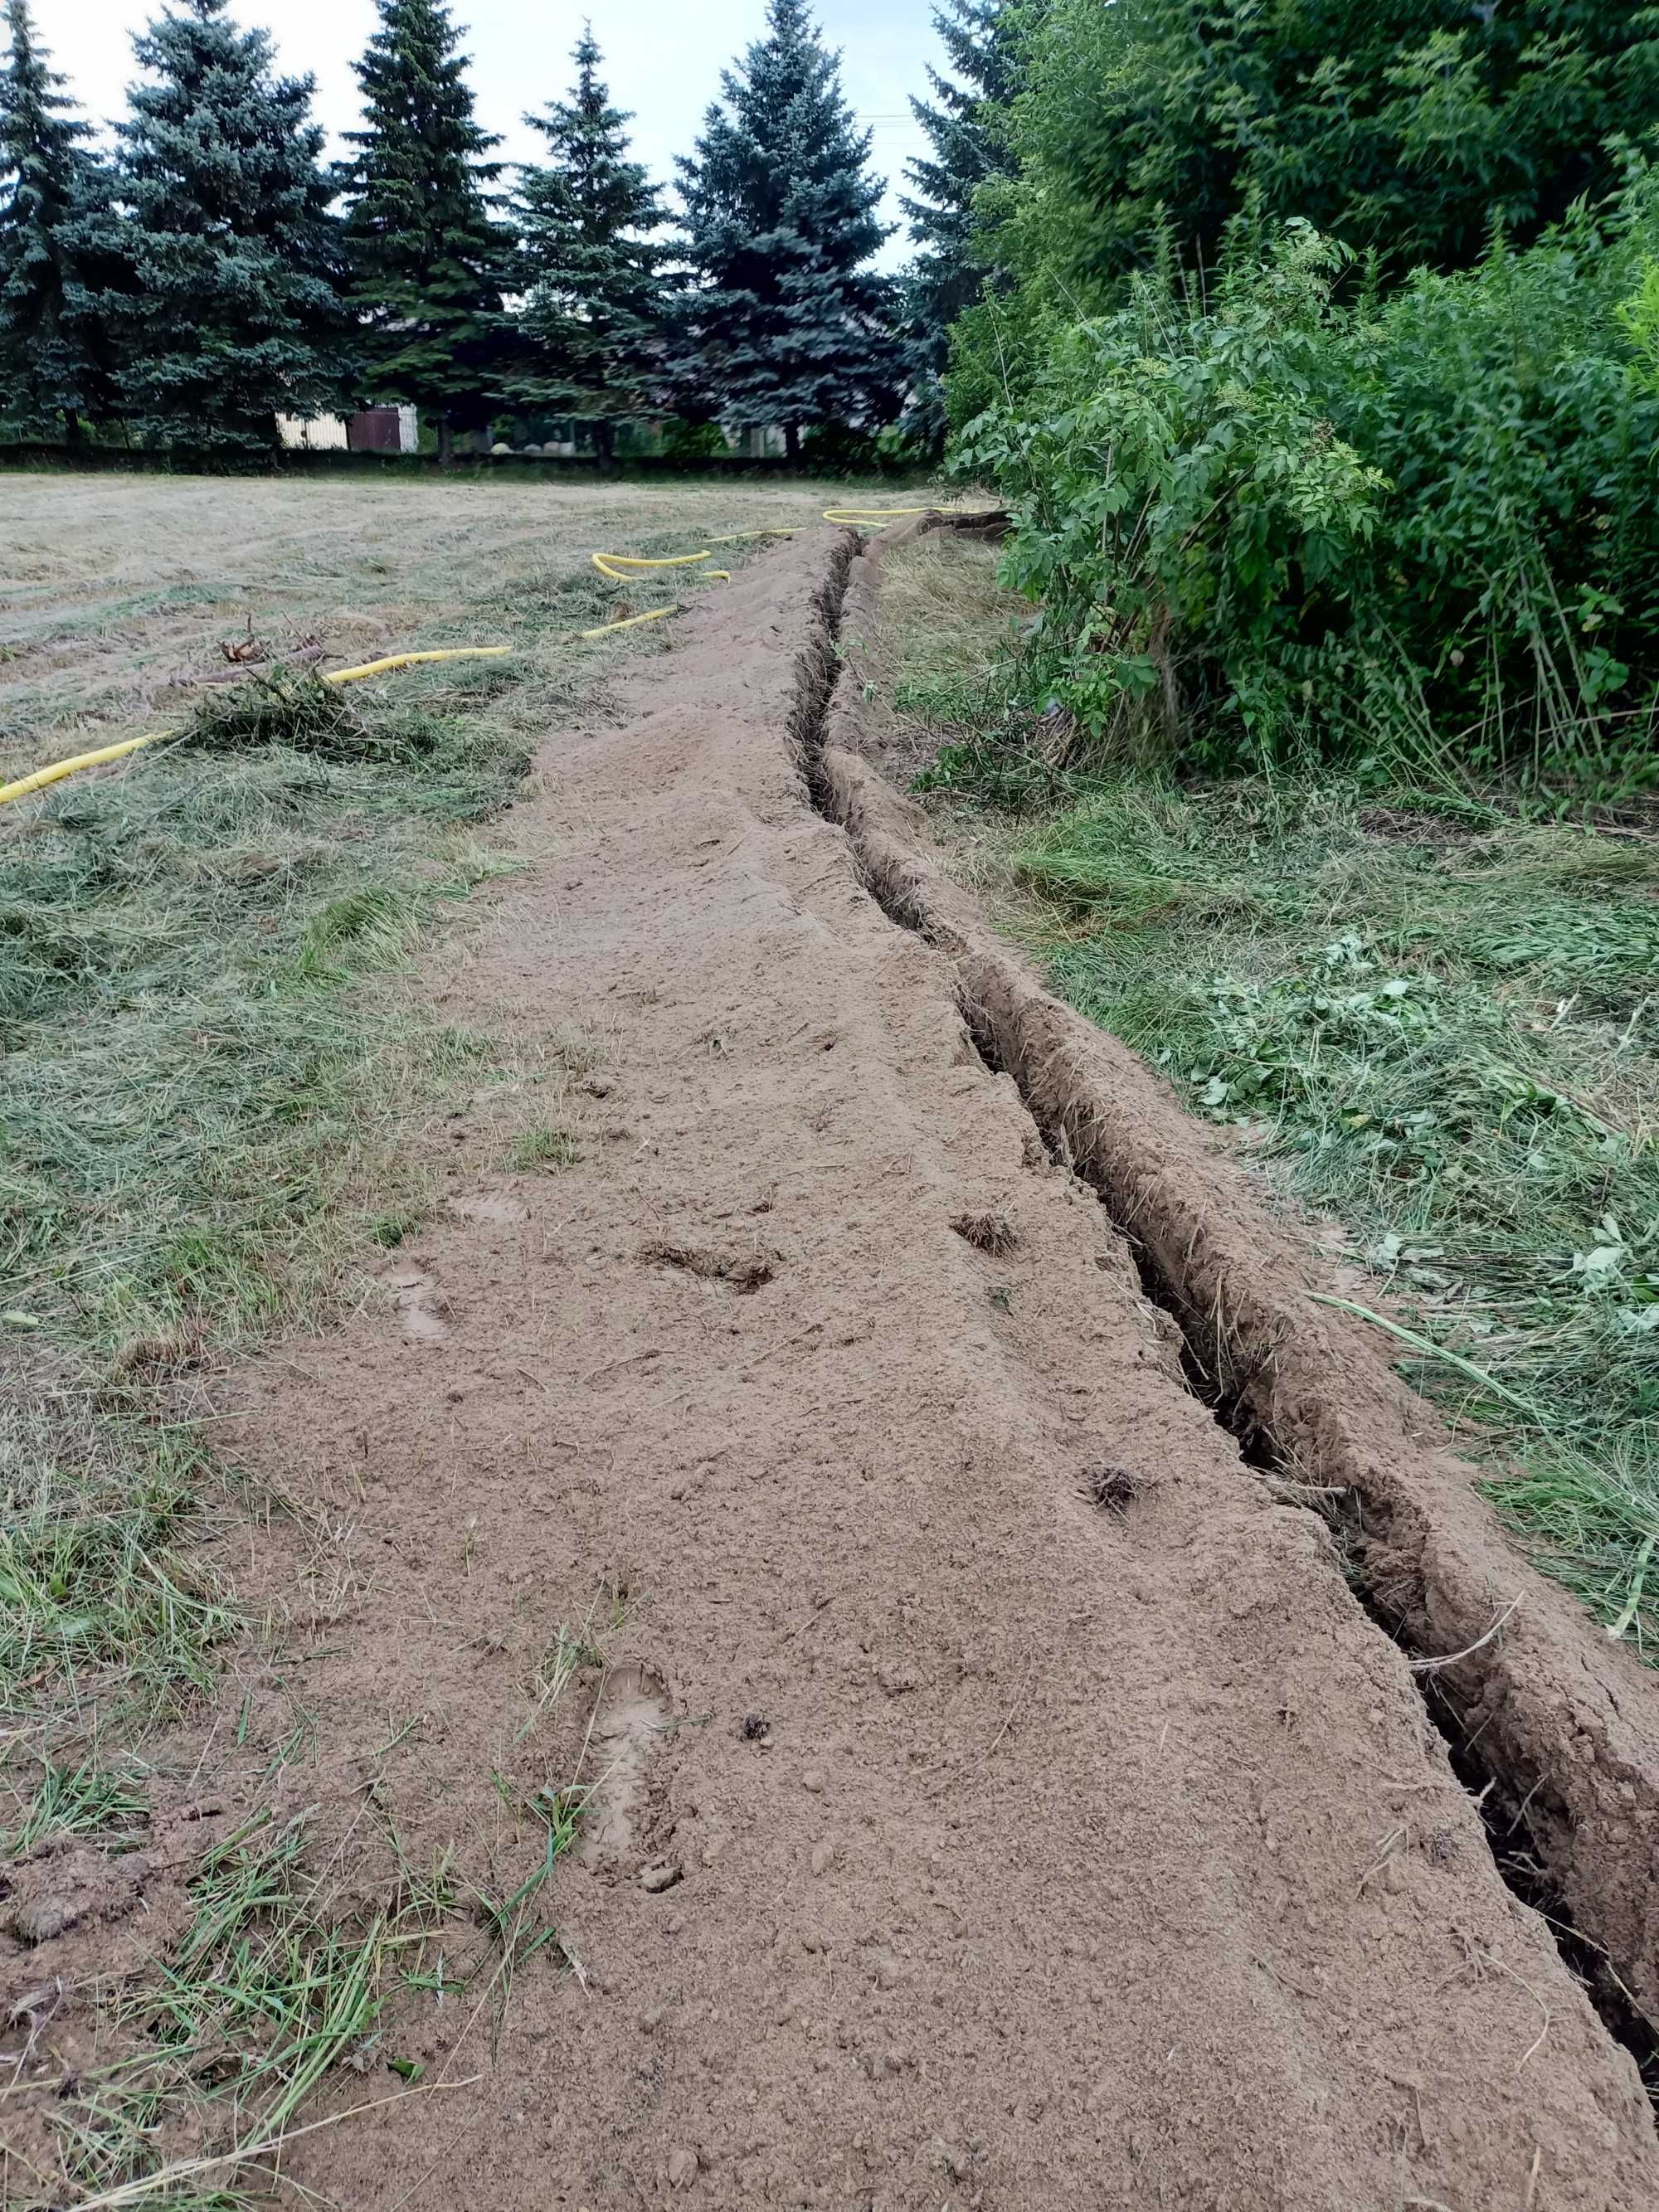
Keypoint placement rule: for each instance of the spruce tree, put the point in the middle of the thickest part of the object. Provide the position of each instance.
(592, 318)
(218, 283)
(53, 361)
(785, 321)
(966, 125)
(428, 261)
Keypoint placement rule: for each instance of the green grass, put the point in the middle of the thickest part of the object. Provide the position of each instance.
(86, 1800)
(285, 1972)
(543, 1147)
(277, 1980)
(97, 1598)
(1432, 1022)
(1447, 1038)
(192, 1081)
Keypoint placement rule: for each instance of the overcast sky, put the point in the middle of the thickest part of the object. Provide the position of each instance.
(663, 60)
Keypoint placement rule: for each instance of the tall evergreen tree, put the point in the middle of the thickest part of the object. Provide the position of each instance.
(429, 260)
(219, 275)
(785, 321)
(53, 361)
(592, 318)
(967, 125)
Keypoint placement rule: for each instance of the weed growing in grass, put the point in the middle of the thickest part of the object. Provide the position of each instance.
(1447, 1038)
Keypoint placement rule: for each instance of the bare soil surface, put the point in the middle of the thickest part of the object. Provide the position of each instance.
(996, 1793)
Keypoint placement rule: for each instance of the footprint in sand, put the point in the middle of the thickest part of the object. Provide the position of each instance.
(629, 1721)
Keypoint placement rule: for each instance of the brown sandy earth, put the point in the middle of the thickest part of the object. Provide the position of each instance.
(998, 1796)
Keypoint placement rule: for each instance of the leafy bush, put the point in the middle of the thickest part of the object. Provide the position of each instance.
(1395, 125)
(1272, 526)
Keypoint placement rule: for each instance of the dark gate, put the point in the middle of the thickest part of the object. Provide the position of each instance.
(373, 430)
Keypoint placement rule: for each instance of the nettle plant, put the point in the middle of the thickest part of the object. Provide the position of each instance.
(1185, 511)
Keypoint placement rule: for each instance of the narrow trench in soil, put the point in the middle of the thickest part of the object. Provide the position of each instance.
(1499, 1802)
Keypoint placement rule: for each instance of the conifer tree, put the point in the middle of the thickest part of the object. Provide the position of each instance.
(53, 361)
(966, 126)
(218, 275)
(592, 318)
(784, 322)
(428, 261)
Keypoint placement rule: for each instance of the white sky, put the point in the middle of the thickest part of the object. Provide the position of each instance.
(662, 60)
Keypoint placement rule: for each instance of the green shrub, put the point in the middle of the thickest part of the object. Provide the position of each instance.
(1272, 526)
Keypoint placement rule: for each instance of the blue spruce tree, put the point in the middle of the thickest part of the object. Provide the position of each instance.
(784, 322)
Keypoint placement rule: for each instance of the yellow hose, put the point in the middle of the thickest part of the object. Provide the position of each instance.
(615, 565)
(632, 621)
(875, 513)
(43, 776)
(410, 659)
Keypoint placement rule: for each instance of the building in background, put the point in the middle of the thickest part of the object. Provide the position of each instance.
(370, 430)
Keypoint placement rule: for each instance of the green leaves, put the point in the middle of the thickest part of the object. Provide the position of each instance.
(1423, 531)
(1396, 127)
(1183, 503)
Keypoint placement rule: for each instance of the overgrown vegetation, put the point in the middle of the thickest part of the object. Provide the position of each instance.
(1431, 1020)
(1319, 367)
(1416, 531)
(1388, 126)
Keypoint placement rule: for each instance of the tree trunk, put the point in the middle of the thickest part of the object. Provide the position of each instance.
(446, 442)
(791, 440)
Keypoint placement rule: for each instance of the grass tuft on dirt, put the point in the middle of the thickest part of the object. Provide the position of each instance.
(1437, 1025)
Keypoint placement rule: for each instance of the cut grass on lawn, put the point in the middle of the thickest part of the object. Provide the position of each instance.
(1441, 1030)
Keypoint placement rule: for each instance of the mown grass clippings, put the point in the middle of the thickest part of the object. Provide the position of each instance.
(85, 1800)
(283, 1974)
(1452, 1050)
(103, 1604)
(203, 1106)
(274, 1983)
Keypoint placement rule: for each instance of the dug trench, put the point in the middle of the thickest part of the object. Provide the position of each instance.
(1554, 1735)
(990, 1791)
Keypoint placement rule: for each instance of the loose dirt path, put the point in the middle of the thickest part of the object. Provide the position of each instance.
(1002, 1800)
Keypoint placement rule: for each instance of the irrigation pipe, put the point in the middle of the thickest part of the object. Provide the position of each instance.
(619, 568)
